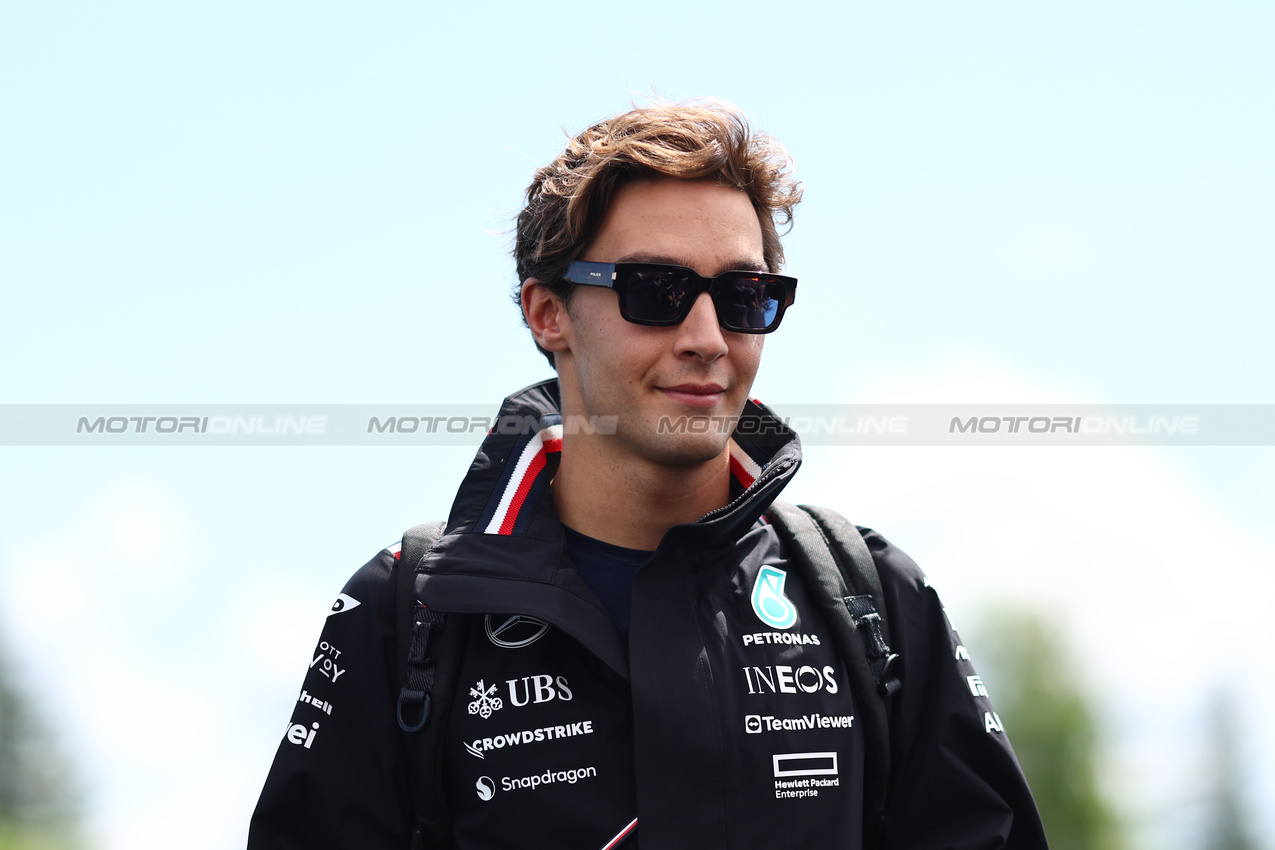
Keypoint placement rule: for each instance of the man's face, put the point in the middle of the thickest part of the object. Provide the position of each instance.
(691, 370)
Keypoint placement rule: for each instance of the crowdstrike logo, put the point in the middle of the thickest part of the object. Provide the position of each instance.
(515, 631)
(527, 736)
(769, 603)
(344, 603)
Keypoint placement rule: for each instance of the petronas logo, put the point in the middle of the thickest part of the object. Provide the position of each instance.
(769, 603)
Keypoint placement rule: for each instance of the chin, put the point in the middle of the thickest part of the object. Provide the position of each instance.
(685, 450)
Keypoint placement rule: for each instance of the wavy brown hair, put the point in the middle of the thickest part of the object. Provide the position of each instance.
(695, 140)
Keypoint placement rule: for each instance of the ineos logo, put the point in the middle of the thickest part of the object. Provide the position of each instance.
(781, 679)
(515, 631)
(486, 788)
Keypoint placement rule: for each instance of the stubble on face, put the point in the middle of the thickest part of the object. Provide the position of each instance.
(676, 391)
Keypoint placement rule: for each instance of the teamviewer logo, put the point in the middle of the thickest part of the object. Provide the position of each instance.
(752, 723)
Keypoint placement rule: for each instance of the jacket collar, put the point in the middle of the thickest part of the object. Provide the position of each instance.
(506, 491)
(503, 546)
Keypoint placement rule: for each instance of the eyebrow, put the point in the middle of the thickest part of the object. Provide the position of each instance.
(743, 265)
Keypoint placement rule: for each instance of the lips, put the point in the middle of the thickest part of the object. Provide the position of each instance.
(695, 395)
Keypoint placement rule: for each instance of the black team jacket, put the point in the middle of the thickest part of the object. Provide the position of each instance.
(725, 720)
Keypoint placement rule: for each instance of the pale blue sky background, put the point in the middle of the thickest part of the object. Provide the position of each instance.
(310, 202)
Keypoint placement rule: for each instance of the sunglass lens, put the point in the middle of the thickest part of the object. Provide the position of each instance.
(658, 296)
(748, 303)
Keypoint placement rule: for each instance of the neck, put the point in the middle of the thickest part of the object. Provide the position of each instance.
(631, 502)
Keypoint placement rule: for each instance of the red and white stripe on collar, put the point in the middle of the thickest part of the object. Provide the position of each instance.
(531, 462)
(743, 467)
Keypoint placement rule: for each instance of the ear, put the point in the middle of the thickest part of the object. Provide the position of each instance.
(546, 315)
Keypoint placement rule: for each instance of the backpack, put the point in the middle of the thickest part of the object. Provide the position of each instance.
(837, 569)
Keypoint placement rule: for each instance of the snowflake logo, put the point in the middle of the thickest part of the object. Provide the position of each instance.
(484, 703)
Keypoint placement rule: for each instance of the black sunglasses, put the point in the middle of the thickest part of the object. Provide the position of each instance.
(657, 294)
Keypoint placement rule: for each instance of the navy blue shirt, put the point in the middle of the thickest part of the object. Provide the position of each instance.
(608, 570)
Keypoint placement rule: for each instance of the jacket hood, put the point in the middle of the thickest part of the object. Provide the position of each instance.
(503, 547)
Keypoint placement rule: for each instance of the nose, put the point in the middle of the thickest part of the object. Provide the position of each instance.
(699, 335)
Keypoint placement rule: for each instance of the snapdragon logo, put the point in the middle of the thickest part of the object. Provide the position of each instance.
(549, 777)
(769, 603)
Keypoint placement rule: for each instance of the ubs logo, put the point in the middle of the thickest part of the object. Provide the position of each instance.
(485, 700)
(528, 689)
(515, 631)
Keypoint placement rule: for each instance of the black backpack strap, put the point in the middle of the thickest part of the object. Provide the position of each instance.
(867, 606)
(430, 664)
(843, 578)
(414, 626)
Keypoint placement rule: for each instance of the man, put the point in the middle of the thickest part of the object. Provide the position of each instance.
(636, 644)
